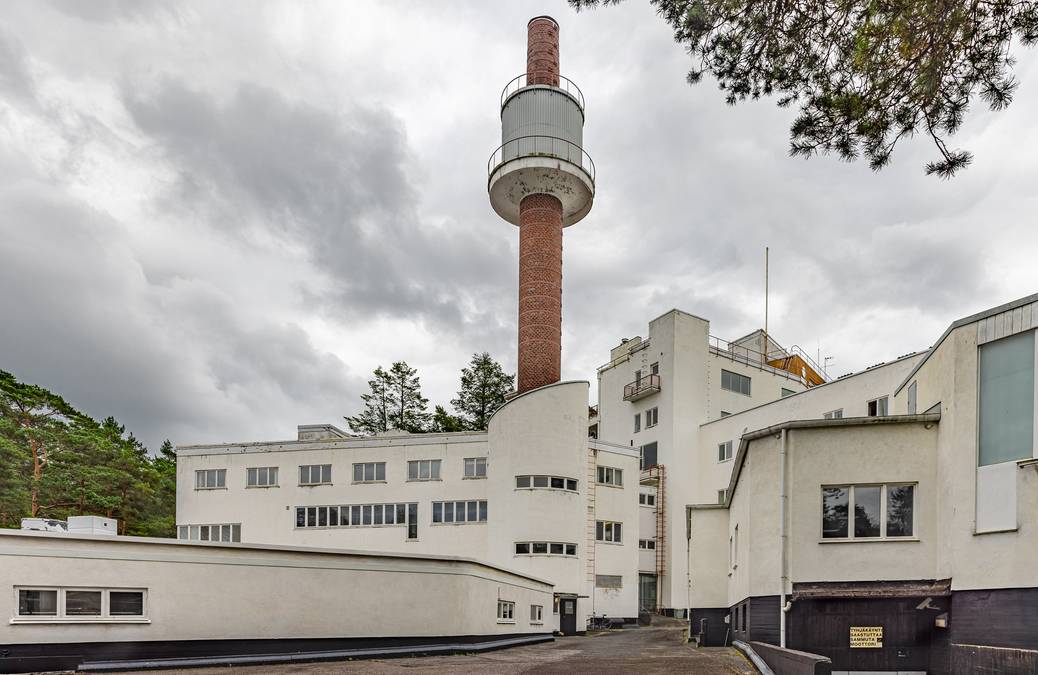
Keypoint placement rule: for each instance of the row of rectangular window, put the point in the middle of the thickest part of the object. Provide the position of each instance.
(472, 511)
(646, 499)
(647, 544)
(545, 548)
(75, 603)
(353, 515)
(223, 532)
(550, 482)
(740, 384)
(321, 474)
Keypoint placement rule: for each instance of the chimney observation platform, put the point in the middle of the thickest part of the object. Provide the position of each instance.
(541, 179)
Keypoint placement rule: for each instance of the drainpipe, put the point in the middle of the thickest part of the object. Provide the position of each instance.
(782, 540)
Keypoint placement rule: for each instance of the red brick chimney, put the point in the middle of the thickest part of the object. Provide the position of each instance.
(540, 241)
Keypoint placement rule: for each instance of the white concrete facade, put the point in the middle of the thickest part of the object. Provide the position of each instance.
(547, 529)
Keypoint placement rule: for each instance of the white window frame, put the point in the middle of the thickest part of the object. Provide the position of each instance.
(724, 452)
(219, 479)
(637, 422)
(482, 512)
(478, 466)
(886, 406)
(652, 417)
(531, 480)
(647, 499)
(310, 482)
(505, 611)
(833, 414)
(737, 377)
(611, 531)
(566, 548)
(385, 514)
(722, 496)
(61, 616)
(647, 544)
(536, 614)
(376, 469)
(423, 470)
(850, 487)
(608, 475)
(193, 532)
(254, 473)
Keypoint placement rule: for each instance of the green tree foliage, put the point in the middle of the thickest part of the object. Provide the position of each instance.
(395, 401)
(57, 462)
(483, 387)
(864, 73)
(443, 421)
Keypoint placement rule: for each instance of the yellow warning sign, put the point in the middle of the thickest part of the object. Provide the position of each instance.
(867, 637)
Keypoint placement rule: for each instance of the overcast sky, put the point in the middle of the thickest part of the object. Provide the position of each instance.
(218, 218)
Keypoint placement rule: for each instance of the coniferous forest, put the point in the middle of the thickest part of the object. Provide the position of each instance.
(56, 462)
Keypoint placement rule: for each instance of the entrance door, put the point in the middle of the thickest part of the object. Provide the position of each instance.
(568, 616)
(647, 592)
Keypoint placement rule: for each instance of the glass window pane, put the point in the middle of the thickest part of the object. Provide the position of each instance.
(481, 466)
(423, 470)
(900, 506)
(522, 548)
(412, 471)
(221, 478)
(250, 477)
(355, 518)
(482, 511)
(459, 511)
(434, 470)
(437, 512)
(555, 549)
(182, 532)
(600, 531)
(401, 514)
(333, 516)
(83, 603)
(412, 521)
(834, 512)
(194, 532)
(866, 511)
(273, 475)
(557, 483)
(304, 475)
(376, 512)
(300, 517)
(616, 532)
(369, 471)
(311, 517)
(390, 514)
(380, 471)
(37, 603)
(540, 547)
(204, 531)
(571, 484)
(470, 468)
(326, 473)
(126, 603)
(225, 533)
(448, 512)
(236, 533)
(540, 481)
(322, 516)
(571, 549)
(358, 473)
(1007, 399)
(367, 514)
(473, 512)
(522, 481)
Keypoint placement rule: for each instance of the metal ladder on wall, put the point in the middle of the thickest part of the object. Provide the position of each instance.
(661, 532)
(592, 478)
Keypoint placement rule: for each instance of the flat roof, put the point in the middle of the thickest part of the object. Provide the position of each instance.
(384, 441)
(274, 548)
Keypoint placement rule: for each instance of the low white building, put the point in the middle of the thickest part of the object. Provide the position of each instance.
(533, 494)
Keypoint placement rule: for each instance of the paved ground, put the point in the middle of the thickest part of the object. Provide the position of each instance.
(638, 650)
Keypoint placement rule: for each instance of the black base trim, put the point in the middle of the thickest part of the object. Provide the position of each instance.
(122, 656)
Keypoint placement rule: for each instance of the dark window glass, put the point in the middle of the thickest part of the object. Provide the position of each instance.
(366, 514)
(358, 473)
(412, 521)
(326, 473)
(540, 547)
(304, 475)
(649, 455)
(322, 516)
(555, 549)
(571, 549)
(482, 511)
(866, 511)
(558, 483)
(473, 512)
(616, 531)
(401, 514)
(571, 484)
(599, 531)
(333, 515)
(900, 505)
(355, 515)
(37, 603)
(448, 512)
(522, 481)
(83, 603)
(540, 481)
(311, 516)
(744, 613)
(834, 512)
(126, 603)
(377, 512)
(437, 512)
(300, 517)
(522, 548)
(380, 471)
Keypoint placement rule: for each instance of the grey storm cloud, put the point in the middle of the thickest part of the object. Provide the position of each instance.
(215, 221)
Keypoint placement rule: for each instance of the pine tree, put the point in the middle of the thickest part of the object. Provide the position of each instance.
(443, 421)
(865, 74)
(407, 406)
(483, 387)
(374, 418)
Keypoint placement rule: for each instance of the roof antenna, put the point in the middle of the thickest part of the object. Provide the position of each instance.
(764, 355)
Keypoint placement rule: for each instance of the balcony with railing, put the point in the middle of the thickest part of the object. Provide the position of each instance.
(642, 387)
(565, 85)
(541, 146)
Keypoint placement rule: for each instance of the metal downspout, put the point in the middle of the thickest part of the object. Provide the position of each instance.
(782, 540)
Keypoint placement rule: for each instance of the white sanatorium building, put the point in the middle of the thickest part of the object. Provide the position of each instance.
(743, 503)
